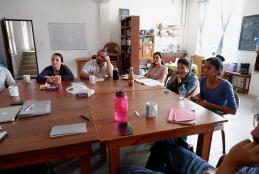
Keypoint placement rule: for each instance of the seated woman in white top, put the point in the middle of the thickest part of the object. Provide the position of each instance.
(101, 67)
(6, 78)
(157, 71)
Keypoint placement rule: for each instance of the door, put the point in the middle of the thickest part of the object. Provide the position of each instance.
(20, 47)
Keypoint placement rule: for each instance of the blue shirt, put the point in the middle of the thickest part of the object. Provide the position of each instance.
(221, 95)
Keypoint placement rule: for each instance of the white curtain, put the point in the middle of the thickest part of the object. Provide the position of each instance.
(203, 7)
(225, 16)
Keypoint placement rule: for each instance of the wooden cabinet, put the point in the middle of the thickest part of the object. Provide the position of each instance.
(199, 61)
(130, 44)
(240, 82)
(146, 46)
(80, 62)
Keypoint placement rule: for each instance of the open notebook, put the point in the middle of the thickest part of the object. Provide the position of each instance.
(68, 129)
(181, 116)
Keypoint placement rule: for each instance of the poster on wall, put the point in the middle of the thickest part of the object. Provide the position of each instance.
(67, 36)
(249, 32)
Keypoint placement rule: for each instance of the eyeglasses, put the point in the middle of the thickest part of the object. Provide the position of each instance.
(256, 120)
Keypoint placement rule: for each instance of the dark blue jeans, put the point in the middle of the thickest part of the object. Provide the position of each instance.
(171, 157)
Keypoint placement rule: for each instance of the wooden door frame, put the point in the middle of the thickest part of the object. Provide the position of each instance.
(6, 45)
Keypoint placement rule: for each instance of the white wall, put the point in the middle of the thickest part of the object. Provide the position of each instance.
(151, 12)
(250, 8)
(67, 11)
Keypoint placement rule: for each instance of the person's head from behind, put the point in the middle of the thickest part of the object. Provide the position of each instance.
(157, 58)
(100, 58)
(183, 66)
(56, 61)
(213, 66)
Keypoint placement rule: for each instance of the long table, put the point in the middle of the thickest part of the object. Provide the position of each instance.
(147, 130)
(29, 141)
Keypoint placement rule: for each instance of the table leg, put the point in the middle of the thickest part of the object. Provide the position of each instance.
(103, 152)
(114, 160)
(85, 167)
(203, 145)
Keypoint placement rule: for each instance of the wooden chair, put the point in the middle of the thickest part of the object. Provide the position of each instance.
(221, 126)
(114, 52)
(195, 92)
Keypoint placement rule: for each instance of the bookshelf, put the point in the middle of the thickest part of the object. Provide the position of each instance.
(130, 44)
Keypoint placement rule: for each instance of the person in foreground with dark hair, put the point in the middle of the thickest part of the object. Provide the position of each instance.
(171, 158)
(183, 78)
(55, 69)
(157, 71)
(216, 94)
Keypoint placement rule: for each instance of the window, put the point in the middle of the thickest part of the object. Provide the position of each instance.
(10, 35)
(220, 32)
(25, 33)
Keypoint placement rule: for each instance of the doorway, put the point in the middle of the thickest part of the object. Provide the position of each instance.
(20, 47)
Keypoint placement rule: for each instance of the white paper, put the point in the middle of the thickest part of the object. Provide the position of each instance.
(80, 87)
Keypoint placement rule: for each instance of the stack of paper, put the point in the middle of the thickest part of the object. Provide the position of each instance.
(149, 82)
(181, 116)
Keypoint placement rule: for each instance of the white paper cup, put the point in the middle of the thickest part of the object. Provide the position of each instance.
(151, 109)
(13, 91)
(92, 79)
(27, 78)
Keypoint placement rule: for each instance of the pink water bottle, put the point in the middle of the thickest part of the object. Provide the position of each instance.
(121, 107)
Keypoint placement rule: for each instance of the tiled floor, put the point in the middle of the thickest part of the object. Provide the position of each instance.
(238, 128)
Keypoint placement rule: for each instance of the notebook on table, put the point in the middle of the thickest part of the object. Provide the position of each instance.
(68, 129)
(35, 108)
(8, 114)
(181, 116)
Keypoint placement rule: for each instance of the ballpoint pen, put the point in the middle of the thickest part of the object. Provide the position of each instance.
(28, 107)
(84, 117)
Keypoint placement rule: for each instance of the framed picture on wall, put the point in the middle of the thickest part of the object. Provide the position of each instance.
(124, 13)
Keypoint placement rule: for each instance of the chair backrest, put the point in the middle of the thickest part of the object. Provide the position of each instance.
(237, 98)
(195, 92)
(112, 47)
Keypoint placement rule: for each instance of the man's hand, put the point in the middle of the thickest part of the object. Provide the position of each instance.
(246, 153)
(107, 58)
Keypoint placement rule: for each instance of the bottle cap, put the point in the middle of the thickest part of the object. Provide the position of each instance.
(120, 93)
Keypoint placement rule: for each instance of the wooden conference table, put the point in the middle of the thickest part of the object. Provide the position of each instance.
(29, 141)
